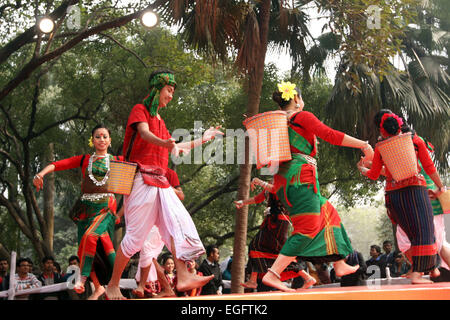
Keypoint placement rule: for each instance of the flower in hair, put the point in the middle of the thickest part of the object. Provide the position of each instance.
(390, 115)
(287, 90)
(91, 144)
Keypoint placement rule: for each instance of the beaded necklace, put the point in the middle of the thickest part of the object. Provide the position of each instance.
(91, 176)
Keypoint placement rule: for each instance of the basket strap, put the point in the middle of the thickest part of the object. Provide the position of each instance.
(82, 160)
(130, 146)
(291, 120)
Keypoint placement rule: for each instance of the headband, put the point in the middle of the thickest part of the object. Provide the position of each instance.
(386, 116)
(287, 90)
(157, 82)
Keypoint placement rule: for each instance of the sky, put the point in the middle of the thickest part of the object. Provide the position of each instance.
(283, 60)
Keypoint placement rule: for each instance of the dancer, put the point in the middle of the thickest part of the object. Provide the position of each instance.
(151, 202)
(443, 247)
(97, 211)
(407, 201)
(267, 243)
(318, 232)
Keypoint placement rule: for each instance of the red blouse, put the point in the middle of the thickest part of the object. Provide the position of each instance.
(421, 153)
(72, 162)
(310, 127)
(75, 162)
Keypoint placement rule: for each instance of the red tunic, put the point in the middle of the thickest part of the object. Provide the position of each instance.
(421, 153)
(143, 153)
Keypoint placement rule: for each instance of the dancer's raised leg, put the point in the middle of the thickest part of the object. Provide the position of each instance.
(272, 277)
(186, 280)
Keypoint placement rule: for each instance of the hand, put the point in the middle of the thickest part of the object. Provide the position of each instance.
(211, 133)
(434, 194)
(239, 204)
(255, 182)
(169, 144)
(361, 168)
(38, 182)
(177, 151)
(368, 152)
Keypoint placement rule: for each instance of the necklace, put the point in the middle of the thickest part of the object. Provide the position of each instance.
(91, 176)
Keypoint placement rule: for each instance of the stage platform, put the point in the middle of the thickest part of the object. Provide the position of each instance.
(435, 291)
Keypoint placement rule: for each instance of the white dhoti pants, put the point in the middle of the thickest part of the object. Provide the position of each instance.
(149, 206)
(439, 233)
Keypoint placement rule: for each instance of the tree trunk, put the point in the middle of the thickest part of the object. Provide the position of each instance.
(254, 92)
(49, 199)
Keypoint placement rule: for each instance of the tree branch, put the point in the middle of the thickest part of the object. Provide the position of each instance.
(33, 64)
(125, 48)
(27, 36)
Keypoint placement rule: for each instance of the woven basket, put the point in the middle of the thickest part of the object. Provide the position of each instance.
(444, 199)
(399, 156)
(269, 137)
(121, 177)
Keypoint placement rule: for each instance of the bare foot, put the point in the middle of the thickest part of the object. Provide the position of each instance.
(192, 282)
(250, 284)
(113, 293)
(138, 292)
(435, 273)
(271, 280)
(166, 292)
(343, 269)
(308, 283)
(97, 293)
(416, 278)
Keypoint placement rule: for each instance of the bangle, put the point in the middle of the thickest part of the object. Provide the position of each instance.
(37, 176)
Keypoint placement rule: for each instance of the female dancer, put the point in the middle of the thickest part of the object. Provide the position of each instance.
(318, 235)
(97, 212)
(267, 243)
(407, 201)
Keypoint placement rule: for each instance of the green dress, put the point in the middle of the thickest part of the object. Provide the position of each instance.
(318, 234)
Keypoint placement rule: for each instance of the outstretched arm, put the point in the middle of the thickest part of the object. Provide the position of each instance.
(265, 185)
(209, 134)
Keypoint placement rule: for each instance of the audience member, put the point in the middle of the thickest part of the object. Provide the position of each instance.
(210, 266)
(25, 279)
(168, 264)
(375, 259)
(388, 256)
(192, 267)
(401, 265)
(72, 295)
(49, 277)
(4, 275)
(4, 267)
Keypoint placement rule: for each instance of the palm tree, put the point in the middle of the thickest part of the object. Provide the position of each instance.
(420, 92)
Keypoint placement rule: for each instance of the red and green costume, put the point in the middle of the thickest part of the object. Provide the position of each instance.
(95, 219)
(318, 233)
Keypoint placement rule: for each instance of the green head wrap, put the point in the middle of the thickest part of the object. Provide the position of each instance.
(157, 82)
